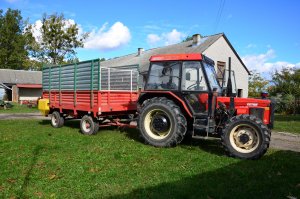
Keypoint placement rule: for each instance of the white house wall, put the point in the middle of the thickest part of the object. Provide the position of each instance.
(220, 51)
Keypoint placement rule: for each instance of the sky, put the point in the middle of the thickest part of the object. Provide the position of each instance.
(265, 33)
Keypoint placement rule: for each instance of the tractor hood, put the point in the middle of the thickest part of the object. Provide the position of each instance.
(249, 102)
(261, 108)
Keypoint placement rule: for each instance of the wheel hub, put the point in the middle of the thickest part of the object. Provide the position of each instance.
(244, 138)
(160, 123)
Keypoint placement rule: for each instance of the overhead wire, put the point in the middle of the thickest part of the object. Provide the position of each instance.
(219, 14)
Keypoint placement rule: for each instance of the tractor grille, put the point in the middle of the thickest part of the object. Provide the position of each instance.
(258, 112)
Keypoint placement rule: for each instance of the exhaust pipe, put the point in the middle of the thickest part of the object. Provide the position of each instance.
(229, 83)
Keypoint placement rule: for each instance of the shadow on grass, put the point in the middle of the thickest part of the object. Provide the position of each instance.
(35, 155)
(210, 146)
(274, 176)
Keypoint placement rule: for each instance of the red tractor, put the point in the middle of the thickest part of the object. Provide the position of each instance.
(183, 96)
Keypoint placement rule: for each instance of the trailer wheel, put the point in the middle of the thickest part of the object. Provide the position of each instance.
(57, 120)
(161, 122)
(245, 137)
(88, 126)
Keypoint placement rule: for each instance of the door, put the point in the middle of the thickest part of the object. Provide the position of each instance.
(194, 86)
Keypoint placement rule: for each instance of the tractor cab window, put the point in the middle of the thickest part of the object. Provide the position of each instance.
(212, 77)
(193, 79)
(164, 76)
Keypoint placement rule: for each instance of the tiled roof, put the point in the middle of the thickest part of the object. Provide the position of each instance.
(8, 76)
(143, 59)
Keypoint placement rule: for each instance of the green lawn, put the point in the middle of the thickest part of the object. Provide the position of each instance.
(287, 123)
(40, 161)
(17, 108)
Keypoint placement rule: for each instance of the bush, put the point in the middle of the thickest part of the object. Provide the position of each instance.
(287, 104)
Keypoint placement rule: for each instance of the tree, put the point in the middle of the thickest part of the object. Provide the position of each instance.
(13, 41)
(59, 39)
(188, 38)
(257, 84)
(286, 85)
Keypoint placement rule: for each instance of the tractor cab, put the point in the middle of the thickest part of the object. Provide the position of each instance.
(192, 72)
(191, 77)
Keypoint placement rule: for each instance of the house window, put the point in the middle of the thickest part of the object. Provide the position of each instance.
(220, 71)
(240, 93)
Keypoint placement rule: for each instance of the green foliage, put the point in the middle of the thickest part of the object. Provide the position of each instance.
(13, 42)
(59, 39)
(286, 81)
(188, 38)
(257, 84)
(286, 90)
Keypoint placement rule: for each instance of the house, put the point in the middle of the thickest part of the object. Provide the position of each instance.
(21, 86)
(217, 47)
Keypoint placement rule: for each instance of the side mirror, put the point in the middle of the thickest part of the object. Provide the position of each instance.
(188, 76)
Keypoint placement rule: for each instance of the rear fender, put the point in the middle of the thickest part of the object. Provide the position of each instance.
(177, 100)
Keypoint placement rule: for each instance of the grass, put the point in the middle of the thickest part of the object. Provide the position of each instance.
(287, 123)
(38, 161)
(18, 108)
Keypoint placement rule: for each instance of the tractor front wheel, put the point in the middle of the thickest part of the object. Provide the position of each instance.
(245, 137)
(88, 126)
(57, 120)
(161, 122)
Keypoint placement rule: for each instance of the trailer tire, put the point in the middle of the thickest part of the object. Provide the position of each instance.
(88, 125)
(161, 122)
(245, 137)
(57, 120)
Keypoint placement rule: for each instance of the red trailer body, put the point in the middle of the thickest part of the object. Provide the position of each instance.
(99, 103)
(88, 88)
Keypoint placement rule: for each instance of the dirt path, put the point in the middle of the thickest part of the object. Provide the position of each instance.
(285, 141)
(13, 116)
(279, 140)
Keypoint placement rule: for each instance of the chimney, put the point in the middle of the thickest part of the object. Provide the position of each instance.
(196, 39)
(140, 51)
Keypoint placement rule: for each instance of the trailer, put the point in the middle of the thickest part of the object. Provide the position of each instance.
(90, 92)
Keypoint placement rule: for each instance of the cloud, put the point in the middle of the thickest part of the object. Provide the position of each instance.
(173, 37)
(116, 36)
(153, 39)
(261, 63)
(251, 46)
(36, 30)
(167, 38)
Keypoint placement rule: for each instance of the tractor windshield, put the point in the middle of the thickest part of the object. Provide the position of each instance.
(212, 77)
(164, 76)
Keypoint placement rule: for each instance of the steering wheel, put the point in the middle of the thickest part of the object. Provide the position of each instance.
(190, 87)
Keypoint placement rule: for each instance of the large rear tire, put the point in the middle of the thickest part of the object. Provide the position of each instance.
(57, 120)
(245, 137)
(88, 126)
(161, 122)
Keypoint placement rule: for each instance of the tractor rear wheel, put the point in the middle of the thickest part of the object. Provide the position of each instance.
(245, 137)
(57, 120)
(161, 122)
(88, 126)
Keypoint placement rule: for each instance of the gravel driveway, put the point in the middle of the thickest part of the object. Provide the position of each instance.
(279, 140)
